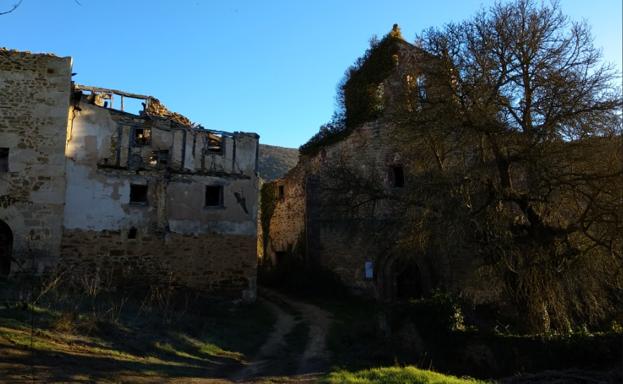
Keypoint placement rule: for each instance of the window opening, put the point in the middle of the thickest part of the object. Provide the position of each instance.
(215, 143)
(4, 160)
(421, 87)
(398, 176)
(142, 136)
(138, 194)
(159, 159)
(214, 196)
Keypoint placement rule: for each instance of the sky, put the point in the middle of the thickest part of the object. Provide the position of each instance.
(264, 66)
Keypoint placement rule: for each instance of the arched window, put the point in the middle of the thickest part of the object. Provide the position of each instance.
(421, 87)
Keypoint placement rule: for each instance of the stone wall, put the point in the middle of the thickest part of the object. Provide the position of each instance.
(34, 101)
(73, 163)
(346, 200)
(209, 247)
(342, 242)
(287, 224)
(223, 264)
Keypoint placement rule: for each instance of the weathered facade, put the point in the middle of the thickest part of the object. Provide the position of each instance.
(145, 197)
(34, 101)
(346, 206)
(308, 215)
(338, 203)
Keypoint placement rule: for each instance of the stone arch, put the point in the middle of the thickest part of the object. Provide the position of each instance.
(408, 280)
(6, 249)
(400, 278)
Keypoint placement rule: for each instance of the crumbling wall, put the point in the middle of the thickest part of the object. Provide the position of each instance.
(287, 222)
(173, 232)
(215, 263)
(34, 101)
(336, 237)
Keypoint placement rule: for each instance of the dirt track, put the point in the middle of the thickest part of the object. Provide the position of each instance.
(310, 363)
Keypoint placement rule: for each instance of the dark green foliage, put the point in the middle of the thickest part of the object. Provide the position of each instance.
(441, 340)
(267, 208)
(360, 99)
(328, 134)
(360, 90)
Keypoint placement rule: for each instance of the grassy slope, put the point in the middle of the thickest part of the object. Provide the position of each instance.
(396, 375)
(108, 339)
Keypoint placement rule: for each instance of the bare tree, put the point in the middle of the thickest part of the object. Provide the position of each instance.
(13, 8)
(520, 126)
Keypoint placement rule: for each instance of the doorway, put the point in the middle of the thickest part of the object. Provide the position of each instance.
(409, 282)
(6, 249)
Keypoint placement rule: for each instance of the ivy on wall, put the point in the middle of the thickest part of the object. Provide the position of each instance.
(360, 94)
(268, 202)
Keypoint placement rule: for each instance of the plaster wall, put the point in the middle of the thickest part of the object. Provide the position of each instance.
(104, 161)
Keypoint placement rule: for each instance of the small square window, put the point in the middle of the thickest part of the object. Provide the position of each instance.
(4, 160)
(214, 196)
(421, 86)
(215, 143)
(138, 194)
(397, 176)
(141, 136)
(132, 233)
(159, 159)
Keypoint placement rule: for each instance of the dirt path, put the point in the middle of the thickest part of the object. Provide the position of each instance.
(312, 361)
(271, 348)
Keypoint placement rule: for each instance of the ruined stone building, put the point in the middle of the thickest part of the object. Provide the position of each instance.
(332, 208)
(88, 188)
(348, 206)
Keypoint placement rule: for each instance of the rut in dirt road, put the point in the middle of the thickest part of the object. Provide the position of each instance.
(276, 356)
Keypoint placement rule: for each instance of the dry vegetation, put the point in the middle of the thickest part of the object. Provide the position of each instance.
(50, 332)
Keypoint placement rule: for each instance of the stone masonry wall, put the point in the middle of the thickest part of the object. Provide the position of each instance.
(337, 243)
(287, 224)
(34, 102)
(223, 264)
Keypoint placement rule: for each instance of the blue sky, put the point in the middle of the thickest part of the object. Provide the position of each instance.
(267, 66)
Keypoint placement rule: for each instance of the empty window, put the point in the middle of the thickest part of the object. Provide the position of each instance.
(282, 192)
(368, 270)
(159, 159)
(421, 87)
(214, 196)
(4, 159)
(280, 257)
(397, 176)
(132, 232)
(215, 143)
(138, 194)
(141, 136)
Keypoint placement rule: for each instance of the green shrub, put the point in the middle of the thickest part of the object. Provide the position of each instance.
(397, 375)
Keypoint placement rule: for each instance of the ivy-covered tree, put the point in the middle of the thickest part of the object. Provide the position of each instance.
(517, 147)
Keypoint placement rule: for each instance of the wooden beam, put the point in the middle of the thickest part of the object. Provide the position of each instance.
(113, 91)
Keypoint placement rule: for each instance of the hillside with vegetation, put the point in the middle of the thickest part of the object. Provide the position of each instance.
(276, 161)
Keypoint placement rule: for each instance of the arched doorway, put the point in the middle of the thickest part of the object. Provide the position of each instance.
(400, 278)
(408, 281)
(6, 248)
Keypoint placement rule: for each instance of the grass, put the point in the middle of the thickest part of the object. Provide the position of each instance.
(396, 375)
(104, 337)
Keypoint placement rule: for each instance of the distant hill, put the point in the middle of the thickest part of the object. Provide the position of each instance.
(276, 161)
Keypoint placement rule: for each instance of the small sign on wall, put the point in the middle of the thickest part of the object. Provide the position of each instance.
(369, 270)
